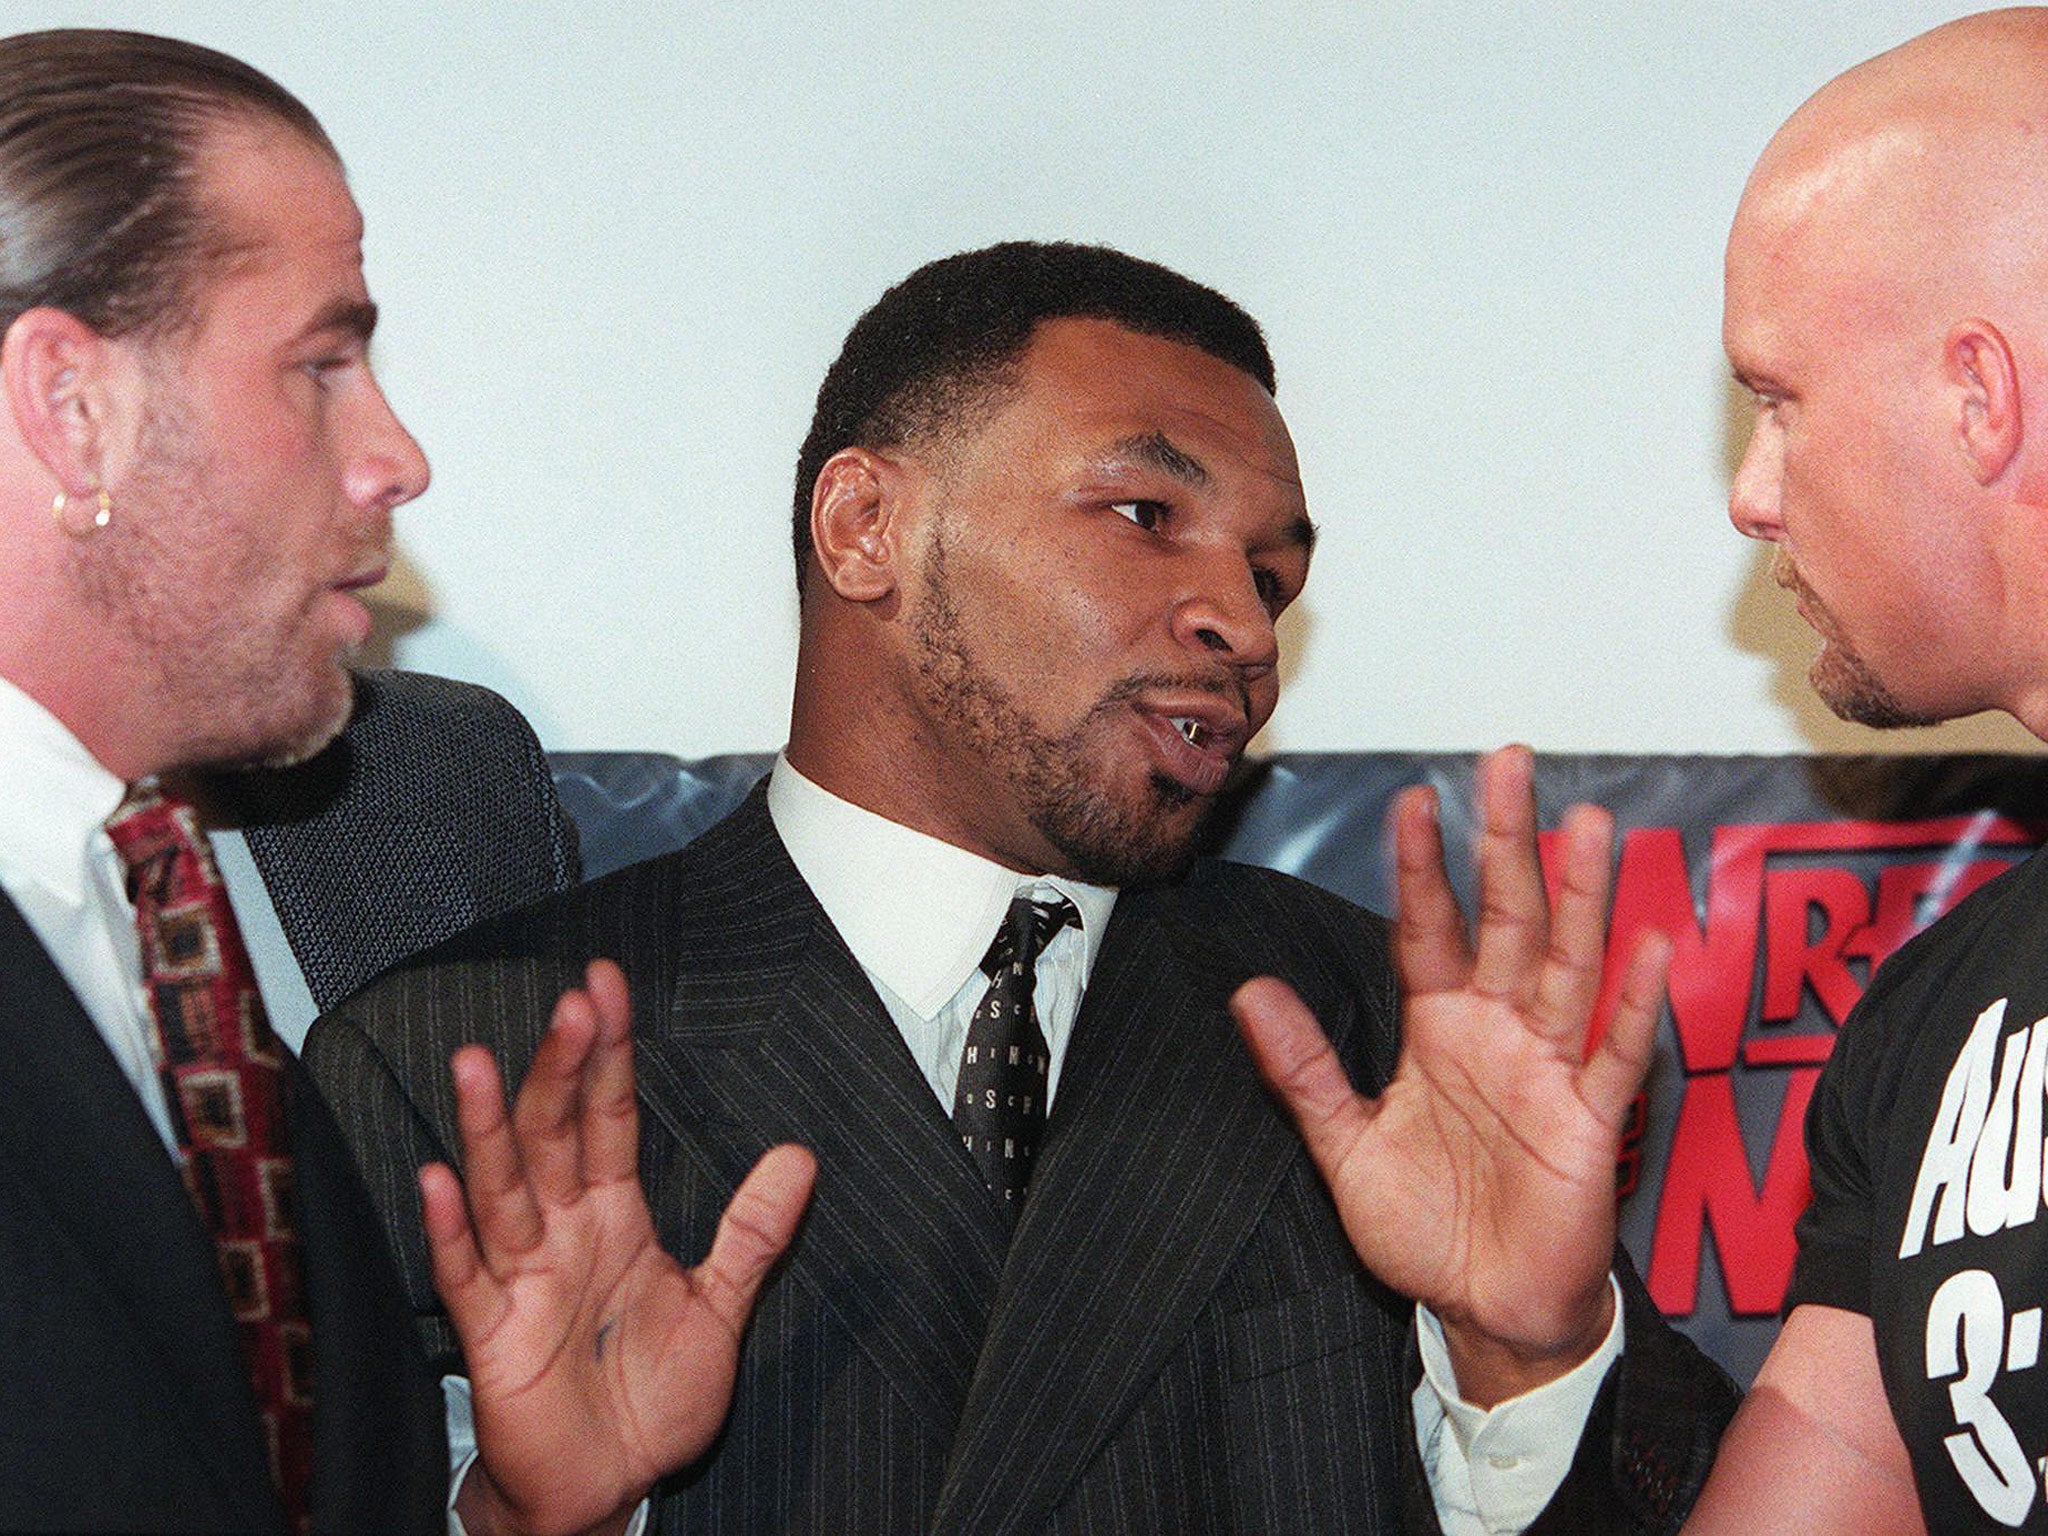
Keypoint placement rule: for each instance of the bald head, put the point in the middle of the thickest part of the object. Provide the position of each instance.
(1887, 302)
(1930, 162)
(1980, 70)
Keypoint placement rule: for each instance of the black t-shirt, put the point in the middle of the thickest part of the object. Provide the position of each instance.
(1926, 1137)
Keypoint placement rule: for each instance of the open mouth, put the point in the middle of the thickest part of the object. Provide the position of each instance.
(1196, 750)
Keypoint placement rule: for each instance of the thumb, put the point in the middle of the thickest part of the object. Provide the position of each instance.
(755, 1229)
(1300, 1065)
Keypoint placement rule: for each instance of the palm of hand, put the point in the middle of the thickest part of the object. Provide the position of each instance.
(598, 1364)
(628, 1368)
(1484, 1184)
(1481, 1180)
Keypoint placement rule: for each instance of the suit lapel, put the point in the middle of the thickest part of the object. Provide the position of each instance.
(70, 1122)
(1162, 1151)
(780, 1037)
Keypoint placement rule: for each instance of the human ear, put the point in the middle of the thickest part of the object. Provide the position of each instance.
(56, 373)
(853, 540)
(1980, 365)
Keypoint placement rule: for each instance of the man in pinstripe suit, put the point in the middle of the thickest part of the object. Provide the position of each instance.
(1046, 518)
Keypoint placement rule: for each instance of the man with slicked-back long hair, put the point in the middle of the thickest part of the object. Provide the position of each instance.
(172, 598)
(201, 1325)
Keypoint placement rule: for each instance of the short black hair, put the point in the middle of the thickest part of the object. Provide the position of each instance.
(941, 343)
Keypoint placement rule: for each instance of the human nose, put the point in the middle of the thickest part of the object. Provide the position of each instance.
(1226, 617)
(1754, 499)
(388, 468)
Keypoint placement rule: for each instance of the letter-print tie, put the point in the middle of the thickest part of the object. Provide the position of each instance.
(999, 1107)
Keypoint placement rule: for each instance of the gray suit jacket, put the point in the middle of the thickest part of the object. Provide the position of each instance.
(1178, 1338)
(433, 810)
(124, 1403)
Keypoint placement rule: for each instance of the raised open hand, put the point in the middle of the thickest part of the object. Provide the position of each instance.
(1481, 1181)
(597, 1363)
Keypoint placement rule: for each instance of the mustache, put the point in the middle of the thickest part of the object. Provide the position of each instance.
(1785, 574)
(1225, 685)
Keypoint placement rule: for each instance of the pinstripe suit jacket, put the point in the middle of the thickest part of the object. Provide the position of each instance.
(1178, 1338)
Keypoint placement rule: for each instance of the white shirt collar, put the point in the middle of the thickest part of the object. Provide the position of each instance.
(56, 802)
(918, 913)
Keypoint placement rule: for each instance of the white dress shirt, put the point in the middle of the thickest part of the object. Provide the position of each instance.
(918, 915)
(59, 866)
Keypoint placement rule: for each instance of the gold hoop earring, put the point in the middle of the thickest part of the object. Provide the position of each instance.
(102, 514)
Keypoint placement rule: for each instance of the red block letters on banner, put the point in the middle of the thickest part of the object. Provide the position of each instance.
(1767, 961)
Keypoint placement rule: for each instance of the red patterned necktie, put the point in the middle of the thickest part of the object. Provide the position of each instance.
(223, 1073)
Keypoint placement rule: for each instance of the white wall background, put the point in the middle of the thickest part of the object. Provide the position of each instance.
(617, 245)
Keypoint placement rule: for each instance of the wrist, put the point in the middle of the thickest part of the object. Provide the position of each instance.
(479, 1505)
(1493, 1367)
(484, 1510)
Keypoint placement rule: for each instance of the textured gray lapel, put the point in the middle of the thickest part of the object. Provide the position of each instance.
(778, 1036)
(71, 1123)
(1162, 1152)
(434, 810)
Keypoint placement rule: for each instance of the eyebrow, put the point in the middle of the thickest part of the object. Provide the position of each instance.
(1756, 383)
(1160, 452)
(356, 317)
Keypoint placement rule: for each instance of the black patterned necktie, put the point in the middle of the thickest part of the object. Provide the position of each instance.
(223, 1071)
(999, 1107)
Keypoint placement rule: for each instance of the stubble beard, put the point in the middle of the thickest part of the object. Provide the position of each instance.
(1104, 840)
(233, 695)
(1846, 683)
(1847, 686)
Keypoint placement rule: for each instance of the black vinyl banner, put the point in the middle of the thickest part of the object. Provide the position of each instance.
(1783, 882)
